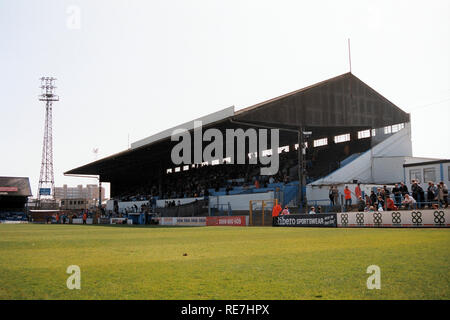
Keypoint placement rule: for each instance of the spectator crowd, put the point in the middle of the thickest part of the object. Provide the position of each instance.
(396, 198)
(200, 178)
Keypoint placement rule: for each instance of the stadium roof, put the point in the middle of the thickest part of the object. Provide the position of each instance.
(333, 105)
(15, 186)
(206, 120)
(426, 163)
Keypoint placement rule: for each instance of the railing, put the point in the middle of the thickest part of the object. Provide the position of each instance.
(398, 202)
(324, 204)
(191, 209)
(290, 192)
(220, 209)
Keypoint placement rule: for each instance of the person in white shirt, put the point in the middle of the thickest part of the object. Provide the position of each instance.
(409, 202)
(312, 211)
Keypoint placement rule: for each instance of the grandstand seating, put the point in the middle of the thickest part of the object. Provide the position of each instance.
(13, 216)
(222, 179)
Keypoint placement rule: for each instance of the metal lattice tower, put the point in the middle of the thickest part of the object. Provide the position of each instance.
(46, 179)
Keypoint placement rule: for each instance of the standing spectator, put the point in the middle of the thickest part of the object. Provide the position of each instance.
(358, 192)
(348, 197)
(380, 203)
(361, 204)
(330, 195)
(378, 192)
(403, 189)
(373, 198)
(417, 193)
(444, 189)
(312, 211)
(414, 189)
(442, 194)
(275, 213)
(386, 192)
(84, 217)
(368, 201)
(276, 210)
(397, 194)
(383, 194)
(57, 218)
(431, 193)
(335, 192)
(421, 194)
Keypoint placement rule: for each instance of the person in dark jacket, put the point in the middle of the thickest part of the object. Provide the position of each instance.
(444, 189)
(417, 193)
(386, 192)
(431, 193)
(330, 196)
(361, 204)
(380, 203)
(373, 198)
(397, 195)
(403, 189)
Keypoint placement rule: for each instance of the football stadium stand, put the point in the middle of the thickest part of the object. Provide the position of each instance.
(348, 134)
(14, 193)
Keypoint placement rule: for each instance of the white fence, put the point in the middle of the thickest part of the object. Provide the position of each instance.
(414, 218)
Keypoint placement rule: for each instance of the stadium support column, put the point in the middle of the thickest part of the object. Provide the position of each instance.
(301, 169)
(160, 177)
(99, 193)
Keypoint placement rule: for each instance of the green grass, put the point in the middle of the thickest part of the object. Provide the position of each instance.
(119, 262)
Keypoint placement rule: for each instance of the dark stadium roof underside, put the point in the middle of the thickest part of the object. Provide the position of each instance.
(334, 106)
(22, 185)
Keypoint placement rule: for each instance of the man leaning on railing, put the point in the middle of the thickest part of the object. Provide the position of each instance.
(409, 202)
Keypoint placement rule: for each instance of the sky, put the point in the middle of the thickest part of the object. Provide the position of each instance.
(129, 69)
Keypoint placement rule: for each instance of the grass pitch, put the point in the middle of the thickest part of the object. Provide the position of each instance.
(122, 262)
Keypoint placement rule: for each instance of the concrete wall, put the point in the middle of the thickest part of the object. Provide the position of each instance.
(388, 169)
